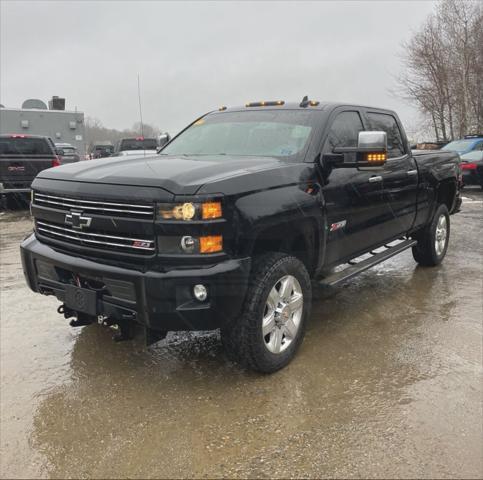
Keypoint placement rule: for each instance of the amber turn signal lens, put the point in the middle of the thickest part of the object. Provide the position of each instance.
(376, 157)
(211, 244)
(211, 210)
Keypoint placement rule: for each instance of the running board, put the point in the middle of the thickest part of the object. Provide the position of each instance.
(356, 268)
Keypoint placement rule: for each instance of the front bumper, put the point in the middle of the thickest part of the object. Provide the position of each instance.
(158, 300)
(4, 189)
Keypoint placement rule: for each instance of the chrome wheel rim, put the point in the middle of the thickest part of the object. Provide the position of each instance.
(441, 235)
(282, 314)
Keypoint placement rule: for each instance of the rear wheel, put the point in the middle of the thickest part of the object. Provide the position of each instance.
(272, 325)
(433, 240)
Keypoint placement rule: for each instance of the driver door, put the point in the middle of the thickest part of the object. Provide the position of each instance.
(353, 196)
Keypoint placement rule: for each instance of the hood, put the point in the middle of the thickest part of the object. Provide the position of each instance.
(176, 174)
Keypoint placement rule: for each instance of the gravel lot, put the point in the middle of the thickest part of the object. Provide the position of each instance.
(388, 383)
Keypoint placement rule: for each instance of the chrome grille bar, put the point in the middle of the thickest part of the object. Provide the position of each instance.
(68, 203)
(99, 238)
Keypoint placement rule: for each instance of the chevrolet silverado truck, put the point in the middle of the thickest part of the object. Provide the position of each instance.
(21, 158)
(235, 221)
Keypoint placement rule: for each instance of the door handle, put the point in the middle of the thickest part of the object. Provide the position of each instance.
(412, 172)
(376, 178)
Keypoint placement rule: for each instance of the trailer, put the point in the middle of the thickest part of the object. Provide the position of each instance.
(60, 125)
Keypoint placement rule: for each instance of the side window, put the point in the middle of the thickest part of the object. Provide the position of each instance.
(479, 146)
(387, 123)
(344, 131)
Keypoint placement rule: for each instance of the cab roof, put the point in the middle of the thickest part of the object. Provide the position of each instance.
(304, 105)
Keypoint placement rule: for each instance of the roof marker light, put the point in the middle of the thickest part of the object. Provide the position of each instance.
(263, 103)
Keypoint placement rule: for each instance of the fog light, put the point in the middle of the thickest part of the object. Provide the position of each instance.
(188, 244)
(200, 292)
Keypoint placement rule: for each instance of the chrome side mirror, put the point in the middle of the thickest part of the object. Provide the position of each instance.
(374, 141)
(371, 151)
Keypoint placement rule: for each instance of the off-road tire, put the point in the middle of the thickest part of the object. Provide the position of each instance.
(425, 252)
(242, 338)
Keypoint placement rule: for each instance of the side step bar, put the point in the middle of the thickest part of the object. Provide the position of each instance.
(356, 268)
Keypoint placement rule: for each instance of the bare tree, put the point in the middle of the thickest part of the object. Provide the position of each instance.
(96, 132)
(444, 69)
(150, 131)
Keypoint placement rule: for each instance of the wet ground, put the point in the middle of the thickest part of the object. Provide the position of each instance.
(388, 383)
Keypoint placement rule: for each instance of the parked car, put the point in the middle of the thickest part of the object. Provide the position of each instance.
(230, 225)
(472, 168)
(67, 153)
(102, 150)
(465, 145)
(21, 158)
(138, 146)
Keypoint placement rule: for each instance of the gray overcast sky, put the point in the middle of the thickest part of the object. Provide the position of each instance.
(194, 56)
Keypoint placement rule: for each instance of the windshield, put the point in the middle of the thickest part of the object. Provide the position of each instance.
(458, 146)
(283, 133)
(138, 144)
(24, 146)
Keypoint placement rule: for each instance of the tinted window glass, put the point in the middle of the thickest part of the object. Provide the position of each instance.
(109, 148)
(344, 132)
(24, 146)
(138, 144)
(387, 123)
(271, 133)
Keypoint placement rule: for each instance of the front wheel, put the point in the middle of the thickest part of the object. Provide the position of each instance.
(272, 325)
(433, 240)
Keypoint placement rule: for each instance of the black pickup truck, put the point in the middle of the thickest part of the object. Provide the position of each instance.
(21, 158)
(235, 221)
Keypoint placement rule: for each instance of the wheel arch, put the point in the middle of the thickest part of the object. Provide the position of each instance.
(446, 194)
(301, 239)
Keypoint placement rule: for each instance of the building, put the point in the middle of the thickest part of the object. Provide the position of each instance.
(35, 118)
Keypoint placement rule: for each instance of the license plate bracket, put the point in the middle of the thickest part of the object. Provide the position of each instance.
(81, 300)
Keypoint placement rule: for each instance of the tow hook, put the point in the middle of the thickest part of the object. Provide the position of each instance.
(67, 312)
(79, 320)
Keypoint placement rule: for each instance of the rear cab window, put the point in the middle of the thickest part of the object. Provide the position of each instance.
(387, 123)
(25, 146)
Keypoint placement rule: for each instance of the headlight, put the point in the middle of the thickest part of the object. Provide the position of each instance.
(190, 211)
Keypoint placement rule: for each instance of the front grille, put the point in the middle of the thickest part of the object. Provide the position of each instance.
(144, 211)
(17, 184)
(95, 239)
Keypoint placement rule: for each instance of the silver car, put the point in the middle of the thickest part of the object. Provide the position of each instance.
(67, 153)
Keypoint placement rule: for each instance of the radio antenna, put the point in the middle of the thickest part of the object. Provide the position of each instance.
(140, 109)
(141, 113)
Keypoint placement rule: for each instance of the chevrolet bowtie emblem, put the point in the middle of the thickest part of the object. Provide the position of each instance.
(77, 220)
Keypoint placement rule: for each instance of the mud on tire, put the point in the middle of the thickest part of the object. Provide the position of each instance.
(243, 338)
